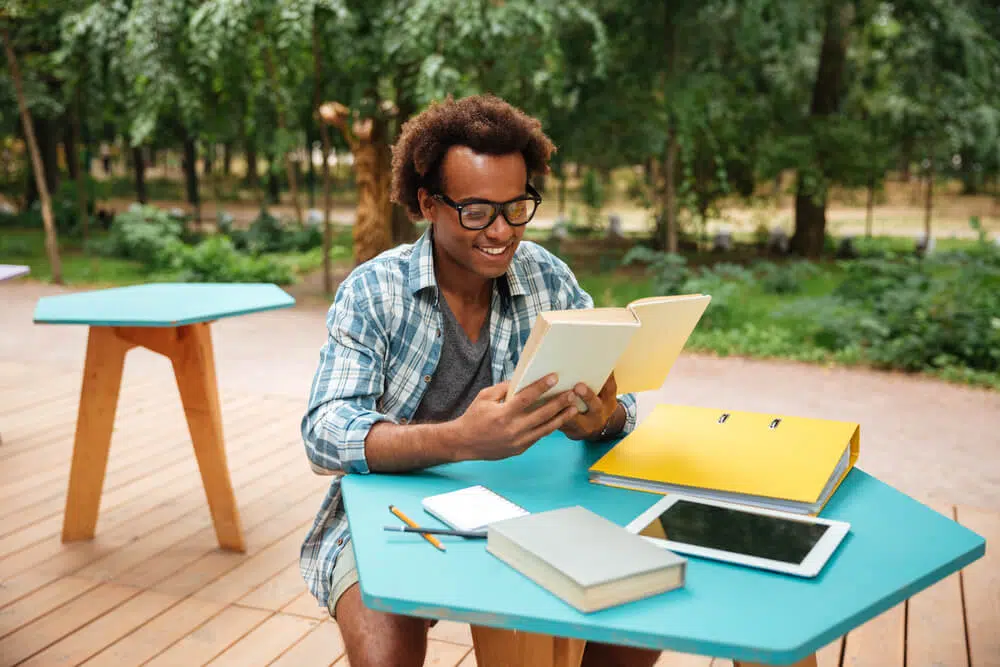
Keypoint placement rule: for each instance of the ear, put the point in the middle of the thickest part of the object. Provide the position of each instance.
(428, 205)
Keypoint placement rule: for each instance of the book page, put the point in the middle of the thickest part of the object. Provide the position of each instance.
(666, 325)
(471, 508)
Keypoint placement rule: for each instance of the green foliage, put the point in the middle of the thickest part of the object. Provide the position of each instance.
(266, 234)
(217, 260)
(156, 239)
(939, 315)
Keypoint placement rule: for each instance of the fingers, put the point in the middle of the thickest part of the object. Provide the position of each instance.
(560, 419)
(593, 401)
(534, 391)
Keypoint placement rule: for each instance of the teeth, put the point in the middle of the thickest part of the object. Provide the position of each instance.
(493, 251)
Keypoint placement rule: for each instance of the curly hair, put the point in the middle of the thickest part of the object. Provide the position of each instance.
(484, 123)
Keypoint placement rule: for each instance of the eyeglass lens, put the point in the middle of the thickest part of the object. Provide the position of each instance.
(516, 212)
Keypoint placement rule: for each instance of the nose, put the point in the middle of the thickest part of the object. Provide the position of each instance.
(500, 230)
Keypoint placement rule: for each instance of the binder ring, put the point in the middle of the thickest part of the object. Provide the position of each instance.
(724, 417)
(774, 424)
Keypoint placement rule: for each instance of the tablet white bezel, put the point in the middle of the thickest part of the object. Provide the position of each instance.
(809, 567)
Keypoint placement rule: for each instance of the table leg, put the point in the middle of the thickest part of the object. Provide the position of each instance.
(194, 368)
(497, 647)
(809, 661)
(102, 378)
(189, 348)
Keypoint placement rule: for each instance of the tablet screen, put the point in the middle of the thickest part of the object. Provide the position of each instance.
(726, 529)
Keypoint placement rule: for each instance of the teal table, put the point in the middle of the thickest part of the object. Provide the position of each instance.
(172, 320)
(896, 548)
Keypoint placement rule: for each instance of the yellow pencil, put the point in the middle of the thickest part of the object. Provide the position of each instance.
(409, 522)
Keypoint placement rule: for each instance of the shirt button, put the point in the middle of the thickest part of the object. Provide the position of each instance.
(439, 333)
(427, 379)
(340, 540)
(403, 420)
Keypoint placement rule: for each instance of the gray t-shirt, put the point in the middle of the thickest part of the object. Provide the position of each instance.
(463, 370)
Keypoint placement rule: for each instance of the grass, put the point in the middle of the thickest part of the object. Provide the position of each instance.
(79, 267)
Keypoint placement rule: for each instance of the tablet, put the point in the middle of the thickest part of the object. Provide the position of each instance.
(766, 539)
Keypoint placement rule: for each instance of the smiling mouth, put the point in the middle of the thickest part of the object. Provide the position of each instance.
(493, 252)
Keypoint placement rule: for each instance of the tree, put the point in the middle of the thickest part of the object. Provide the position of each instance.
(38, 167)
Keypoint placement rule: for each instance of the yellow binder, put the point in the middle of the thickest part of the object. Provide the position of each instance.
(773, 461)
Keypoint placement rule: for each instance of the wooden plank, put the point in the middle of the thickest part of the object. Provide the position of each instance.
(138, 447)
(879, 642)
(450, 631)
(277, 591)
(260, 567)
(175, 462)
(306, 605)
(52, 506)
(128, 564)
(133, 500)
(52, 627)
(675, 659)
(445, 654)
(198, 554)
(53, 559)
(209, 640)
(95, 636)
(830, 655)
(157, 635)
(194, 366)
(211, 566)
(323, 645)
(981, 588)
(42, 601)
(935, 623)
(266, 642)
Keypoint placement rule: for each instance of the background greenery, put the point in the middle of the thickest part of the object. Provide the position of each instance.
(180, 140)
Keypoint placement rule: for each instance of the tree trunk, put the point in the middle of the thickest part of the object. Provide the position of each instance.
(870, 206)
(669, 193)
(929, 202)
(227, 158)
(51, 238)
(324, 133)
(139, 166)
(404, 230)
(310, 169)
(293, 185)
(251, 150)
(190, 166)
(82, 172)
(70, 142)
(373, 223)
(810, 202)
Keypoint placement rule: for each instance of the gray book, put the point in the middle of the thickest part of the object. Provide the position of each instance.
(588, 561)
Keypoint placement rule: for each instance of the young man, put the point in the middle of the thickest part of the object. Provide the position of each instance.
(422, 340)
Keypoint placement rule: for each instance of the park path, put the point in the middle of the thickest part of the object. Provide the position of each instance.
(931, 439)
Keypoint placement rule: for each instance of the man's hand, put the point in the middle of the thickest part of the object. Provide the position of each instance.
(600, 408)
(493, 429)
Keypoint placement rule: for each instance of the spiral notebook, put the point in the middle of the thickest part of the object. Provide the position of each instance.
(471, 508)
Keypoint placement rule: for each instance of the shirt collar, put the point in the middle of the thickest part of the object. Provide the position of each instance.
(420, 274)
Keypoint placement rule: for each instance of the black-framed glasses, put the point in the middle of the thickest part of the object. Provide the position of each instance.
(476, 214)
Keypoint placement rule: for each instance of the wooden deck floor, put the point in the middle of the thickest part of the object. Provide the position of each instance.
(152, 588)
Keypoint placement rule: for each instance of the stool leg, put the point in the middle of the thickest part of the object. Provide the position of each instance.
(102, 379)
(194, 367)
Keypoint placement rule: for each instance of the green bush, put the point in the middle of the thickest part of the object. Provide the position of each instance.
(216, 260)
(146, 234)
(267, 234)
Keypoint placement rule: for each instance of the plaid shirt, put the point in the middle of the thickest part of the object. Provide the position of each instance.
(384, 343)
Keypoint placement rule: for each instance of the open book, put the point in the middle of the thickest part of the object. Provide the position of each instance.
(639, 343)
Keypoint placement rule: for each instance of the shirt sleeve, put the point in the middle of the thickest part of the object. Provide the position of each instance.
(571, 295)
(347, 384)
